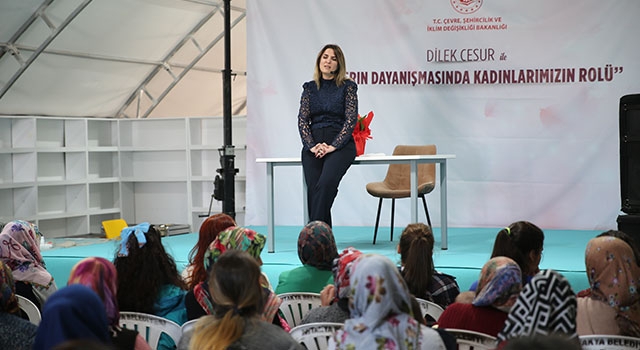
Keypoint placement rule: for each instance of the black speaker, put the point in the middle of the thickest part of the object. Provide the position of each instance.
(630, 153)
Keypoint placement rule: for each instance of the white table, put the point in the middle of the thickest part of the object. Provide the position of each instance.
(440, 159)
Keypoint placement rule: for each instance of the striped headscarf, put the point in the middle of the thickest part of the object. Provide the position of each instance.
(317, 246)
(341, 271)
(234, 237)
(499, 285)
(101, 276)
(546, 305)
(8, 299)
(20, 250)
(614, 278)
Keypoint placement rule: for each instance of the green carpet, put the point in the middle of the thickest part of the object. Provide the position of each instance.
(469, 249)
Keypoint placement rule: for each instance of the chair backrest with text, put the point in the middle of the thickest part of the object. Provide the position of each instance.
(315, 336)
(29, 308)
(609, 342)
(470, 340)
(430, 308)
(296, 305)
(150, 327)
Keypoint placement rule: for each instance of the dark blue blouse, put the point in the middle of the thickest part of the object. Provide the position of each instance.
(330, 106)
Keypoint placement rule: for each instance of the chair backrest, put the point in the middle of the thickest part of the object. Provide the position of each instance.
(315, 336)
(470, 340)
(112, 228)
(430, 308)
(399, 175)
(609, 342)
(30, 309)
(296, 305)
(188, 326)
(150, 327)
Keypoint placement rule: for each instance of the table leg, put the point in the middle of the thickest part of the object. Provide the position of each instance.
(414, 191)
(443, 205)
(270, 208)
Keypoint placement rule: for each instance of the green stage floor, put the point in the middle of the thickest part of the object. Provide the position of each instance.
(469, 249)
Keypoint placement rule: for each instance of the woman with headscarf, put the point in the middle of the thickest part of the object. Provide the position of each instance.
(100, 275)
(546, 305)
(200, 302)
(73, 312)
(498, 287)
(20, 250)
(335, 297)
(316, 250)
(380, 308)
(613, 306)
(15, 332)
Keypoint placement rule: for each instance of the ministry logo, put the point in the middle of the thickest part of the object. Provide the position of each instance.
(466, 7)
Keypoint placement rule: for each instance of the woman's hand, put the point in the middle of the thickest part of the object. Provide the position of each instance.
(322, 149)
(327, 294)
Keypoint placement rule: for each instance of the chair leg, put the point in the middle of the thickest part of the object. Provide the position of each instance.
(375, 231)
(426, 212)
(393, 210)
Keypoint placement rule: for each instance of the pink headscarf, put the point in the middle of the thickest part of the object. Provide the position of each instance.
(20, 250)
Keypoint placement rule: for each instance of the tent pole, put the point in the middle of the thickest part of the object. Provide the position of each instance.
(228, 157)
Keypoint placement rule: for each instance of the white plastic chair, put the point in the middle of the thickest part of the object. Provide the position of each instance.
(315, 336)
(296, 305)
(188, 326)
(150, 327)
(430, 308)
(470, 340)
(609, 342)
(30, 309)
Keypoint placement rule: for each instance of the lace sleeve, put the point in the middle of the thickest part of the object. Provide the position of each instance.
(350, 115)
(304, 120)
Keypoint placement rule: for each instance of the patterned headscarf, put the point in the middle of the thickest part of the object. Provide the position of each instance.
(546, 305)
(380, 307)
(100, 275)
(8, 301)
(235, 238)
(317, 246)
(614, 277)
(20, 250)
(499, 285)
(342, 271)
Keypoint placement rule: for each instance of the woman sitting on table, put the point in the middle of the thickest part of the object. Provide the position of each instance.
(316, 250)
(20, 250)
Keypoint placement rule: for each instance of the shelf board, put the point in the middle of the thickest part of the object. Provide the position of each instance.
(151, 149)
(50, 181)
(147, 179)
(75, 149)
(10, 185)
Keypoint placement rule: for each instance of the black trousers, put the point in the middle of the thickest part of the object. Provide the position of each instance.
(323, 175)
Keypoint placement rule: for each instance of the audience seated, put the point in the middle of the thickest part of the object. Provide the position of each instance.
(416, 257)
(316, 250)
(72, 313)
(335, 297)
(521, 241)
(498, 288)
(237, 323)
(195, 272)
(546, 305)
(199, 301)
(148, 279)
(15, 332)
(613, 306)
(100, 275)
(547, 342)
(380, 308)
(21, 252)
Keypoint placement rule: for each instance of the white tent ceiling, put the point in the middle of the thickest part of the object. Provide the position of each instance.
(119, 58)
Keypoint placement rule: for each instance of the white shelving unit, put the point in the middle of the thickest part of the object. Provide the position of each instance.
(69, 174)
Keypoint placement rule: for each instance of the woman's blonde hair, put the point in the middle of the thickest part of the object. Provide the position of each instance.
(340, 73)
(235, 288)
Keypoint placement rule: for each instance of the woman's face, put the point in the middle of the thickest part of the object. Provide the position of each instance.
(328, 64)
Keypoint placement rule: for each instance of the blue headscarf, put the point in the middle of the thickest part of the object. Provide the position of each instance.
(73, 312)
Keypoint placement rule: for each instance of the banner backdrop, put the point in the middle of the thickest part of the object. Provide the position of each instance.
(524, 93)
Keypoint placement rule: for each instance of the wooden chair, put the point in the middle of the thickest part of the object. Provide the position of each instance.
(30, 309)
(430, 308)
(609, 342)
(315, 336)
(470, 340)
(397, 182)
(150, 327)
(296, 305)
